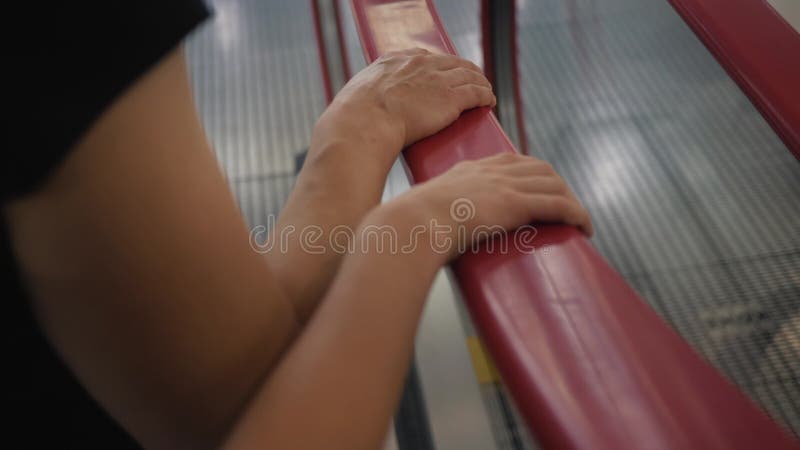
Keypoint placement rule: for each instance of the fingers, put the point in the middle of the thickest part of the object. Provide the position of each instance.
(547, 194)
(558, 208)
(418, 57)
(540, 185)
(449, 62)
(505, 158)
(466, 80)
(408, 61)
(522, 164)
(460, 75)
(412, 51)
(405, 53)
(469, 96)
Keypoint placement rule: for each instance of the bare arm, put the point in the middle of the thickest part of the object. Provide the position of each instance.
(339, 384)
(394, 102)
(139, 261)
(141, 271)
(143, 278)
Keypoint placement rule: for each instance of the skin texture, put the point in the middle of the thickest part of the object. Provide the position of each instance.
(399, 99)
(149, 290)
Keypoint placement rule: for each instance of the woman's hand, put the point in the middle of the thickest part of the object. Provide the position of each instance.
(368, 318)
(403, 97)
(506, 190)
(367, 321)
(399, 99)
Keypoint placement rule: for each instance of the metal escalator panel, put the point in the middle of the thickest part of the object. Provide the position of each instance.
(757, 42)
(695, 198)
(256, 80)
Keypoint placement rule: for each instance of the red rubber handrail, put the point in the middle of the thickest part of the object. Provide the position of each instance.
(760, 51)
(588, 363)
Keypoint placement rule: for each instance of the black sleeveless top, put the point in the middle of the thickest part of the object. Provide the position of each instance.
(69, 63)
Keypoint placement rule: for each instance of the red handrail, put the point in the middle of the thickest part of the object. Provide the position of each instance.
(760, 51)
(588, 363)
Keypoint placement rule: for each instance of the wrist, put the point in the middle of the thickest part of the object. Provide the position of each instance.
(343, 173)
(417, 232)
(370, 134)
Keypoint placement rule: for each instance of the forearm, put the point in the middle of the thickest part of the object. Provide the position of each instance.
(342, 179)
(147, 288)
(394, 102)
(345, 372)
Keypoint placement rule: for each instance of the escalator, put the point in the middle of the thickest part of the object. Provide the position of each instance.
(695, 198)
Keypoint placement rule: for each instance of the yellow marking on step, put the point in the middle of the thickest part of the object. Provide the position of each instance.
(484, 368)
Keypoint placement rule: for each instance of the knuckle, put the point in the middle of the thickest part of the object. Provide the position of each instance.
(416, 60)
(468, 73)
(474, 164)
(579, 216)
(484, 163)
(463, 73)
(508, 156)
(478, 95)
(587, 219)
(496, 179)
(461, 61)
(505, 157)
(471, 65)
(454, 77)
(396, 91)
(465, 165)
(546, 167)
(478, 80)
(558, 205)
(451, 60)
(431, 77)
(508, 196)
(392, 57)
(391, 90)
(561, 186)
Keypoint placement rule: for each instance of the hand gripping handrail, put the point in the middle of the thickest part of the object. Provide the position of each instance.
(588, 363)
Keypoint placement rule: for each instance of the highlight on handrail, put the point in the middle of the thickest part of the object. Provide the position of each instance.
(588, 363)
